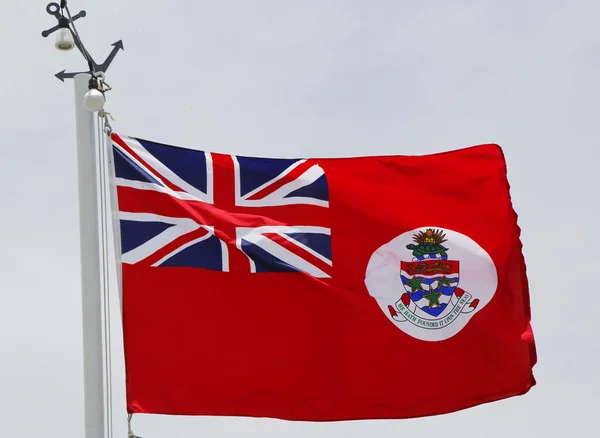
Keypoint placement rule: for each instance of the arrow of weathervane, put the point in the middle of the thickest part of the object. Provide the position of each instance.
(62, 75)
(116, 47)
(98, 67)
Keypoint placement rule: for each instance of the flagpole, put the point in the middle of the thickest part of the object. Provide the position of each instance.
(90, 264)
(89, 100)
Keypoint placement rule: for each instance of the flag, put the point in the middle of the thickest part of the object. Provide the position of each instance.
(319, 289)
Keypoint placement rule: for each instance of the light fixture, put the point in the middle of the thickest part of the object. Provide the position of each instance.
(64, 37)
(94, 99)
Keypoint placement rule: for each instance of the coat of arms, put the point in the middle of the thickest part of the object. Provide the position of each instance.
(416, 280)
(432, 298)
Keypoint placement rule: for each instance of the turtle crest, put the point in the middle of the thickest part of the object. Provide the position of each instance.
(428, 242)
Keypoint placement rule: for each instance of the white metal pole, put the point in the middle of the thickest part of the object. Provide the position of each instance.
(90, 265)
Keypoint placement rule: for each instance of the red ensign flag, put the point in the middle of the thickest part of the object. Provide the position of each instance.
(319, 289)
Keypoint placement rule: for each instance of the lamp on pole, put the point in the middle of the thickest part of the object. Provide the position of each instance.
(90, 91)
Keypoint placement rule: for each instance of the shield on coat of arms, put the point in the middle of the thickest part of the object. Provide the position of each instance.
(430, 284)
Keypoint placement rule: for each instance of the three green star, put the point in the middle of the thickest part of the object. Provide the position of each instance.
(433, 297)
(443, 281)
(415, 284)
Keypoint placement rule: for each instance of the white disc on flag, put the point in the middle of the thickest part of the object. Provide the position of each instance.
(430, 281)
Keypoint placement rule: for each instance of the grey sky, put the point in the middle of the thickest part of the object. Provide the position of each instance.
(308, 78)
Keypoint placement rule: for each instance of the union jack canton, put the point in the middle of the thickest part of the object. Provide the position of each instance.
(188, 208)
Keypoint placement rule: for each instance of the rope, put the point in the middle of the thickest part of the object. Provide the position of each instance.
(84, 51)
(102, 127)
(130, 433)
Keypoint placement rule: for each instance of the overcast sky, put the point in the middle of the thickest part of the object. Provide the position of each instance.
(308, 78)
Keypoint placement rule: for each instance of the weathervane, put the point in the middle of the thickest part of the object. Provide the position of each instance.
(68, 38)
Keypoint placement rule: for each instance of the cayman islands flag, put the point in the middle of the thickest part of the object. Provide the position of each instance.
(309, 288)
